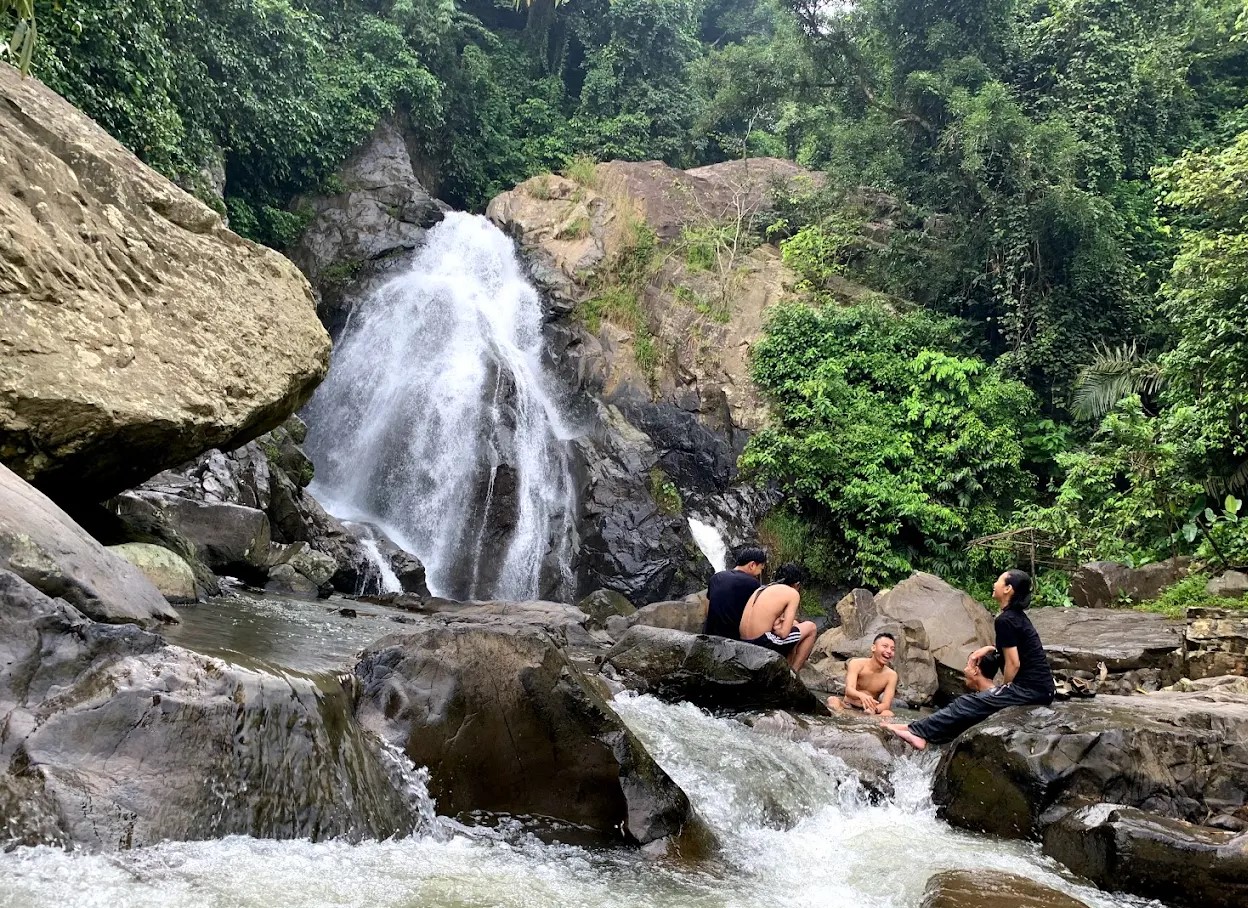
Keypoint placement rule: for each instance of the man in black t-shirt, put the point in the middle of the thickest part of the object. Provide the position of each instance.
(1028, 679)
(729, 591)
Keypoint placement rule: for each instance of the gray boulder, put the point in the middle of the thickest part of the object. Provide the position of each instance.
(1104, 584)
(138, 330)
(602, 605)
(42, 545)
(1155, 857)
(688, 615)
(1230, 585)
(113, 739)
(506, 723)
(710, 672)
(1184, 756)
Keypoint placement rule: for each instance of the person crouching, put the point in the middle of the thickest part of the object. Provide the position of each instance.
(770, 617)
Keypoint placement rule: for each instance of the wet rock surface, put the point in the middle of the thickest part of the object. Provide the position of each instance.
(112, 739)
(1181, 755)
(1157, 857)
(41, 544)
(1138, 648)
(506, 723)
(179, 335)
(992, 889)
(710, 672)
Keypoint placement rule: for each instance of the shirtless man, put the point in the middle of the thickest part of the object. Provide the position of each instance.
(871, 682)
(770, 617)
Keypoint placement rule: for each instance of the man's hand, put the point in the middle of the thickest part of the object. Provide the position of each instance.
(869, 703)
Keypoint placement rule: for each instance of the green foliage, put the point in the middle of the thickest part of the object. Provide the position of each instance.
(817, 252)
(20, 47)
(619, 290)
(894, 444)
(1187, 593)
(582, 170)
(664, 492)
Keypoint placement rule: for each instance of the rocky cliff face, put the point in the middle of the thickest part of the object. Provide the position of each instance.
(655, 295)
(138, 330)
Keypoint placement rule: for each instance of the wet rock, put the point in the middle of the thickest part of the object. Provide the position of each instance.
(1078, 641)
(1180, 755)
(506, 723)
(991, 889)
(42, 545)
(710, 672)
(226, 538)
(1215, 642)
(314, 566)
(1231, 684)
(864, 746)
(139, 331)
(688, 615)
(1230, 585)
(115, 740)
(284, 580)
(857, 612)
(1104, 584)
(602, 605)
(168, 572)
(1152, 856)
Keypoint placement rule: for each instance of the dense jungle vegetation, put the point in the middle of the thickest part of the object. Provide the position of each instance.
(1058, 339)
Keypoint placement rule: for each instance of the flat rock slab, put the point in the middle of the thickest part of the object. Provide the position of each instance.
(1079, 639)
(710, 672)
(1179, 755)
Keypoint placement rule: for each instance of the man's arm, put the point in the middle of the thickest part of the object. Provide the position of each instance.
(972, 661)
(886, 701)
(785, 622)
(1012, 663)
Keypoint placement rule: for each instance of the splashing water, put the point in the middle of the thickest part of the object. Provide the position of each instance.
(437, 424)
(710, 542)
(796, 831)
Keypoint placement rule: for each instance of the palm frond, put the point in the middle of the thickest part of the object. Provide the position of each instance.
(1114, 373)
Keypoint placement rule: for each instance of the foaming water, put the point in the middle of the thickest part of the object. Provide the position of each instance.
(436, 423)
(796, 831)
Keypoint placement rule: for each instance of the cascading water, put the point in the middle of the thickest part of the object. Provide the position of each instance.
(710, 542)
(437, 423)
(795, 831)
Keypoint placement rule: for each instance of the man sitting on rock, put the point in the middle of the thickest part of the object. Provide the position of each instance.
(729, 591)
(770, 617)
(871, 681)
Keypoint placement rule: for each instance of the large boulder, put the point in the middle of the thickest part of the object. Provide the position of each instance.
(1155, 857)
(504, 722)
(1230, 585)
(711, 672)
(42, 545)
(111, 739)
(955, 624)
(688, 615)
(1215, 642)
(139, 331)
(1104, 584)
(991, 889)
(168, 572)
(1136, 648)
(1181, 755)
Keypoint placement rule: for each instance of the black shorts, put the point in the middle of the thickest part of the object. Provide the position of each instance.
(782, 645)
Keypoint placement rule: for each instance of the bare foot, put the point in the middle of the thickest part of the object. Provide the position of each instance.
(904, 732)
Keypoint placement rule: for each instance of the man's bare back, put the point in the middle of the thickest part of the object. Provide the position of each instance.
(770, 618)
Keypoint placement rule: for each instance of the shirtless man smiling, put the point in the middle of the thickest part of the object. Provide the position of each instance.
(871, 681)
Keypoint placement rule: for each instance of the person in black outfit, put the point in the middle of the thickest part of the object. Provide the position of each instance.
(729, 591)
(1028, 679)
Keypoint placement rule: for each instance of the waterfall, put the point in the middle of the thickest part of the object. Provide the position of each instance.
(437, 422)
(710, 542)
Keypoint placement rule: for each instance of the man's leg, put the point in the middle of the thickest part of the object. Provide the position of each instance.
(961, 714)
(801, 652)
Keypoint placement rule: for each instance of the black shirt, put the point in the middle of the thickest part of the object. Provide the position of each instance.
(729, 591)
(1014, 628)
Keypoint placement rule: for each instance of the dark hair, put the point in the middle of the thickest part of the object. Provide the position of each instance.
(990, 664)
(1021, 583)
(791, 574)
(751, 554)
(883, 634)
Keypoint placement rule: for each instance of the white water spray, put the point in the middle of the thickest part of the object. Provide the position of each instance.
(711, 543)
(436, 422)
